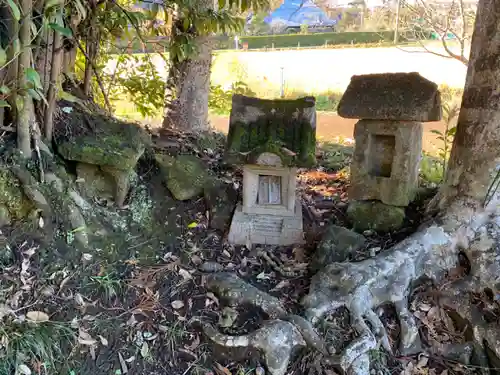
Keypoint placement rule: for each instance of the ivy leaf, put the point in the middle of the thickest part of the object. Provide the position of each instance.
(3, 57)
(33, 77)
(4, 104)
(62, 30)
(16, 13)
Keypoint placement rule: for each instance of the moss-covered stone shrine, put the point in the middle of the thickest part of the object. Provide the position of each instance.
(270, 138)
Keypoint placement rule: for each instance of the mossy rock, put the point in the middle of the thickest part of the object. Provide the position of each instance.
(12, 196)
(185, 175)
(95, 182)
(338, 244)
(111, 143)
(4, 216)
(221, 201)
(374, 215)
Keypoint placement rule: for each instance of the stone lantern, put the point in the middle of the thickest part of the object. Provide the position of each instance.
(385, 166)
(271, 139)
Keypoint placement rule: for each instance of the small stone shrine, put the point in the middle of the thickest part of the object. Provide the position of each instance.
(271, 139)
(385, 165)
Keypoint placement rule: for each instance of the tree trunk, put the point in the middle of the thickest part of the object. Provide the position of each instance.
(188, 86)
(26, 115)
(476, 148)
(57, 56)
(189, 108)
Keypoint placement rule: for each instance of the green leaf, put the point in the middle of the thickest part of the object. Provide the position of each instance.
(451, 132)
(16, 13)
(192, 225)
(4, 104)
(434, 131)
(62, 30)
(33, 77)
(5, 90)
(52, 3)
(3, 57)
(67, 96)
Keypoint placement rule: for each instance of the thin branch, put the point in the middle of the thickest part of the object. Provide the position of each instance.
(97, 76)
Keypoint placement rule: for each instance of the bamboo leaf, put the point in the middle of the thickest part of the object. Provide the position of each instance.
(62, 30)
(4, 104)
(52, 3)
(16, 13)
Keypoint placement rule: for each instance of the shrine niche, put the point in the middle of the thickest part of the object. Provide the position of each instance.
(271, 139)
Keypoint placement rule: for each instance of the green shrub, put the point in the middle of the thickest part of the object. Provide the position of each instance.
(220, 100)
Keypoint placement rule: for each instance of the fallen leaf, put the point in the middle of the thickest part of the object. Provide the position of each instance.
(194, 344)
(104, 341)
(177, 304)
(85, 339)
(37, 316)
(228, 317)
(222, 370)
(23, 369)
(144, 350)
(262, 276)
(282, 284)
(260, 371)
(192, 225)
(196, 260)
(185, 274)
(213, 298)
(123, 364)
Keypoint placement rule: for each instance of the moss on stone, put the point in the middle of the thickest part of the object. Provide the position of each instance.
(375, 215)
(12, 196)
(258, 125)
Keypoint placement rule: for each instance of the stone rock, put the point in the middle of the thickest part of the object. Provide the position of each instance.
(185, 175)
(365, 215)
(221, 201)
(391, 96)
(95, 181)
(336, 245)
(386, 161)
(286, 128)
(4, 216)
(12, 196)
(119, 146)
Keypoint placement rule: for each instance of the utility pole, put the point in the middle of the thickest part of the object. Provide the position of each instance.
(396, 29)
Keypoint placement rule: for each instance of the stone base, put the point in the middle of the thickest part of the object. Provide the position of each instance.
(248, 229)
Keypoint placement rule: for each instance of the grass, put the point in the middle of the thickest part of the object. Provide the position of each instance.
(37, 346)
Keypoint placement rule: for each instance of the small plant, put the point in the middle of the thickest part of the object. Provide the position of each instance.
(37, 347)
(220, 100)
(109, 286)
(450, 113)
(431, 169)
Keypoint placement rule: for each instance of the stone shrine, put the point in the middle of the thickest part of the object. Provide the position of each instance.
(270, 138)
(388, 143)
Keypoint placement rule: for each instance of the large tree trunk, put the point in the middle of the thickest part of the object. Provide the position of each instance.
(476, 148)
(188, 86)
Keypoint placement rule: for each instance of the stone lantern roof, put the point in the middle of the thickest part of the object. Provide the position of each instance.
(286, 128)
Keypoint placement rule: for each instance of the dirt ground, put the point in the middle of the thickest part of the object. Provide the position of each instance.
(331, 127)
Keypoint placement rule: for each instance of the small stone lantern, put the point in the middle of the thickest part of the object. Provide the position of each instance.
(385, 166)
(270, 138)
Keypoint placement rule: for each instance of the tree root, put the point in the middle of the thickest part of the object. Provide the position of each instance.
(387, 278)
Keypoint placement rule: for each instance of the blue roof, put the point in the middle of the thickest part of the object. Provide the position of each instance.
(299, 12)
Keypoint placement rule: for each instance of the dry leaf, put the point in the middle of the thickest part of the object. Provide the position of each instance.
(123, 364)
(178, 304)
(37, 316)
(194, 344)
(213, 298)
(185, 274)
(85, 339)
(228, 317)
(221, 369)
(23, 369)
(144, 350)
(282, 284)
(104, 341)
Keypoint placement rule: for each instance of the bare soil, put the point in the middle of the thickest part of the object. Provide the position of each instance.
(331, 127)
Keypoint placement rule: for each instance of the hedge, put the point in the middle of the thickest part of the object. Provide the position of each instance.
(280, 40)
(307, 40)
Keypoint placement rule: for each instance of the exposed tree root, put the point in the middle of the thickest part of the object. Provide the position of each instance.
(387, 278)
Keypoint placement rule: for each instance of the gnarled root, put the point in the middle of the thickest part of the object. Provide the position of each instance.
(277, 340)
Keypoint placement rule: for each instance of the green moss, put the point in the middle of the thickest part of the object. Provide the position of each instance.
(13, 197)
(282, 124)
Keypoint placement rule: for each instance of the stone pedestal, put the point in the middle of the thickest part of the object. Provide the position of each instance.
(247, 229)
